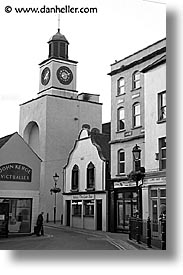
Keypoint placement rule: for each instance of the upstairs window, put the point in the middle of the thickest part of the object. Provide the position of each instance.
(136, 115)
(162, 106)
(121, 162)
(75, 176)
(90, 176)
(136, 80)
(121, 86)
(121, 119)
(162, 153)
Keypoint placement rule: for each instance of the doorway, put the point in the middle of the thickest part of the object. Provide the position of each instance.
(4, 216)
(68, 213)
(99, 214)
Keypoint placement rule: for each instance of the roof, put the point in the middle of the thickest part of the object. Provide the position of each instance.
(3, 140)
(101, 141)
(156, 63)
(58, 37)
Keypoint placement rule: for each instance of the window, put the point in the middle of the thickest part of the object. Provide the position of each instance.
(162, 106)
(136, 115)
(90, 176)
(75, 175)
(136, 80)
(76, 208)
(121, 119)
(121, 162)
(162, 153)
(89, 207)
(121, 86)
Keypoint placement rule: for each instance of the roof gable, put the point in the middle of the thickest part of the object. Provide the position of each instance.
(5, 139)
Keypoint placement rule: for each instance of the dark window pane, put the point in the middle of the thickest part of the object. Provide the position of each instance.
(154, 193)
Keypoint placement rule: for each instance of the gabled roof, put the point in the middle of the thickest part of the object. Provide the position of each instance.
(3, 140)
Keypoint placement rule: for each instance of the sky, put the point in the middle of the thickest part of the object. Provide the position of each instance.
(118, 29)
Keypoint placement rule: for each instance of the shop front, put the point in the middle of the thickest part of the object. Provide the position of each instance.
(126, 200)
(87, 211)
(19, 184)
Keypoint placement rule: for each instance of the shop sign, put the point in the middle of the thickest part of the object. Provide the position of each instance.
(83, 196)
(15, 172)
(126, 184)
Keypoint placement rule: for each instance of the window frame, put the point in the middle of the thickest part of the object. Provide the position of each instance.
(161, 158)
(90, 185)
(136, 82)
(121, 162)
(161, 106)
(120, 120)
(121, 87)
(75, 177)
(135, 116)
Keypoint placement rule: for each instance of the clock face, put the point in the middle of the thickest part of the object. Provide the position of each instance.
(64, 75)
(45, 76)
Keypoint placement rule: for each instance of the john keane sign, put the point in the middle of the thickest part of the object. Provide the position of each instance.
(15, 172)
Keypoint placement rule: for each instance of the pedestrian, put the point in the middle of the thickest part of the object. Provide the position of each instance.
(40, 229)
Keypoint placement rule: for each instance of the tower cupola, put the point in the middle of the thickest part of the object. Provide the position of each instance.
(58, 46)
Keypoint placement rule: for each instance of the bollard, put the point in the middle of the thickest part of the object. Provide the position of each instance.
(163, 233)
(137, 230)
(149, 232)
(130, 229)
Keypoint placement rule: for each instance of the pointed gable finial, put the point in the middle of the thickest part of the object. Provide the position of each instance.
(59, 22)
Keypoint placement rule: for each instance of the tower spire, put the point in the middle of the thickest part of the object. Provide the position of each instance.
(59, 22)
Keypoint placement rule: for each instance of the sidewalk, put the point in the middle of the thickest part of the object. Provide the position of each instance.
(120, 240)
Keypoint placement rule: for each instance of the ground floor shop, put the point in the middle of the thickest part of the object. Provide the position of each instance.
(154, 202)
(124, 203)
(88, 211)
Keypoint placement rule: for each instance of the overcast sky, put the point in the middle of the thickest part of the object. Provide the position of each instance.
(118, 29)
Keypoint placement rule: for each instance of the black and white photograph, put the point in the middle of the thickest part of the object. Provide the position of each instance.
(83, 136)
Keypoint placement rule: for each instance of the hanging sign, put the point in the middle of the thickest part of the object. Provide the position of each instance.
(15, 172)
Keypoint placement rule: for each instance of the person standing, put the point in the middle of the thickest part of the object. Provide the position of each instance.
(40, 229)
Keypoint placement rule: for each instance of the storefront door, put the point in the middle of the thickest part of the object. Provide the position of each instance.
(4, 215)
(126, 206)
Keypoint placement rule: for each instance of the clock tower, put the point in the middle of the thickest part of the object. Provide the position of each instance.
(51, 122)
(58, 73)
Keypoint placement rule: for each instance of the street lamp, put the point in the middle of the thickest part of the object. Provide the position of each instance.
(55, 190)
(138, 173)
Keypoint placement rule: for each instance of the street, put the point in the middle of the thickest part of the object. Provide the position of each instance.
(63, 239)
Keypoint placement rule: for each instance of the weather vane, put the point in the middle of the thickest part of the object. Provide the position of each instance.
(59, 22)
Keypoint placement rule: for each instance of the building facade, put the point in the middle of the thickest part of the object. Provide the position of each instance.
(50, 123)
(19, 183)
(128, 129)
(154, 188)
(85, 196)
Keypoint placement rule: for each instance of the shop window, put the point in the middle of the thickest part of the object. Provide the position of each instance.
(136, 115)
(19, 215)
(75, 177)
(162, 153)
(162, 106)
(121, 162)
(89, 207)
(76, 208)
(121, 86)
(136, 80)
(90, 176)
(121, 119)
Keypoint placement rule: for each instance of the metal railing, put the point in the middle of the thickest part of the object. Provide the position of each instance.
(153, 233)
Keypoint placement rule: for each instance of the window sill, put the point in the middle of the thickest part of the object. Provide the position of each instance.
(135, 89)
(138, 127)
(74, 190)
(120, 131)
(161, 121)
(120, 95)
